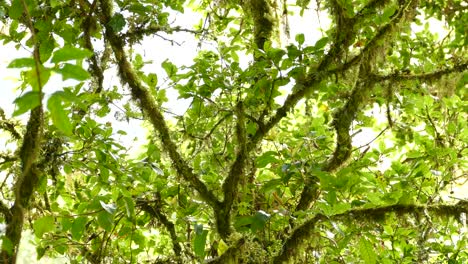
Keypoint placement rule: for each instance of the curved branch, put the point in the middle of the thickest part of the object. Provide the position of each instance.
(28, 179)
(385, 31)
(435, 75)
(345, 116)
(302, 232)
(230, 185)
(155, 211)
(149, 107)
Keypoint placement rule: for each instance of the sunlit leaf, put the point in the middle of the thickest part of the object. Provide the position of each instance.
(70, 53)
(26, 102)
(105, 220)
(21, 63)
(43, 225)
(78, 227)
(117, 22)
(71, 71)
(59, 114)
(366, 250)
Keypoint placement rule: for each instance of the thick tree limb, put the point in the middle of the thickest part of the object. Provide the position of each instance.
(345, 116)
(26, 182)
(230, 185)
(435, 75)
(149, 107)
(155, 211)
(292, 245)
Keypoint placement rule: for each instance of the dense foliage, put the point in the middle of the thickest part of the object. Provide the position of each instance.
(264, 166)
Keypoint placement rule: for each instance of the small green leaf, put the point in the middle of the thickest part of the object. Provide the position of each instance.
(78, 227)
(388, 12)
(105, 220)
(259, 220)
(70, 53)
(21, 63)
(222, 247)
(300, 38)
(46, 48)
(266, 158)
(117, 22)
(152, 80)
(59, 115)
(129, 207)
(199, 243)
(32, 79)
(16, 9)
(169, 67)
(26, 102)
(366, 250)
(320, 44)
(43, 225)
(70, 71)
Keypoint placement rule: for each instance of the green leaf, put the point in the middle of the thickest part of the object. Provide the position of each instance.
(16, 9)
(70, 53)
(105, 220)
(78, 227)
(71, 71)
(388, 12)
(259, 220)
(321, 43)
(117, 22)
(129, 207)
(199, 243)
(58, 114)
(222, 247)
(21, 63)
(300, 38)
(169, 67)
(26, 102)
(366, 251)
(267, 158)
(43, 225)
(46, 48)
(32, 79)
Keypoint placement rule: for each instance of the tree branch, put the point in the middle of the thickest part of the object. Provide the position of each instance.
(435, 75)
(345, 116)
(155, 211)
(150, 108)
(28, 179)
(230, 185)
(292, 245)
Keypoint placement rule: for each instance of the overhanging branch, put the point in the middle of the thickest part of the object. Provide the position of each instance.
(292, 245)
(149, 107)
(230, 185)
(431, 76)
(155, 211)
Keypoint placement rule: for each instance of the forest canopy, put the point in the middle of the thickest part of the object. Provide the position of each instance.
(252, 131)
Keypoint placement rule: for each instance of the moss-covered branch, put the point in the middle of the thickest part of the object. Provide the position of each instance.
(345, 116)
(260, 12)
(88, 26)
(149, 107)
(154, 210)
(231, 255)
(28, 178)
(291, 246)
(8, 126)
(404, 13)
(230, 185)
(430, 76)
